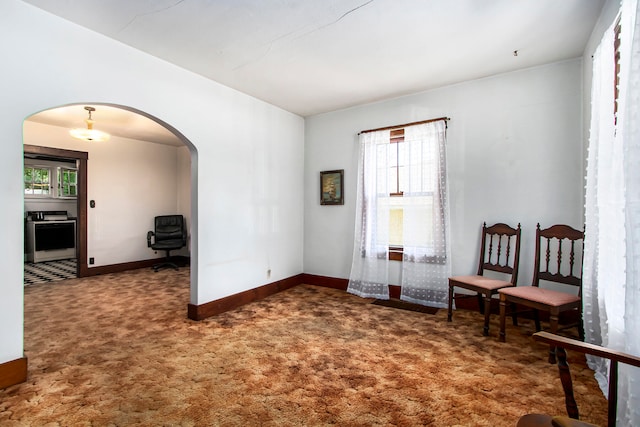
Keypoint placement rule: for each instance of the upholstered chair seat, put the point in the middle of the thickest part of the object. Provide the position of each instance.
(541, 295)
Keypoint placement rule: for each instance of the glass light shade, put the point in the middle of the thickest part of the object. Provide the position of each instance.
(89, 134)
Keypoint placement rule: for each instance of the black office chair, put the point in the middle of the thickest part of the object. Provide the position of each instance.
(170, 234)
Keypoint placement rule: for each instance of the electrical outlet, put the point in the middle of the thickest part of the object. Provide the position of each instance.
(91, 260)
(268, 273)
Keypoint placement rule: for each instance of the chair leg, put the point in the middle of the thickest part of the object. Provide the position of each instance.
(514, 314)
(450, 308)
(567, 384)
(487, 313)
(166, 263)
(480, 303)
(503, 318)
(536, 320)
(553, 324)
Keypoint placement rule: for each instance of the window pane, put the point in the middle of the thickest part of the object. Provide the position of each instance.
(36, 181)
(382, 151)
(420, 209)
(395, 226)
(67, 182)
(40, 188)
(393, 179)
(393, 230)
(401, 178)
(393, 153)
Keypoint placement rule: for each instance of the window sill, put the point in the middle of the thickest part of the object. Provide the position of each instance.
(48, 197)
(396, 253)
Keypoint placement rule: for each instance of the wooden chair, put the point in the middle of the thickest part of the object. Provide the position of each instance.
(565, 272)
(562, 343)
(503, 261)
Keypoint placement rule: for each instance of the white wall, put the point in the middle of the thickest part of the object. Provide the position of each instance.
(183, 162)
(248, 164)
(130, 181)
(514, 155)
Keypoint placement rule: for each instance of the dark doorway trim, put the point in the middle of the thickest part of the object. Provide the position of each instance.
(81, 157)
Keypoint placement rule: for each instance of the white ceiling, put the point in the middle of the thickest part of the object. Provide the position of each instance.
(314, 56)
(113, 120)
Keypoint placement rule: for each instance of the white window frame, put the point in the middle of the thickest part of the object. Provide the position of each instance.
(60, 172)
(50, 194)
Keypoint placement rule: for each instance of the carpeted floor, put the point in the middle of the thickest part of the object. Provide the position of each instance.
(118, 350)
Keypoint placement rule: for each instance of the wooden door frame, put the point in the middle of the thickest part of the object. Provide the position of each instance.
(81, 235)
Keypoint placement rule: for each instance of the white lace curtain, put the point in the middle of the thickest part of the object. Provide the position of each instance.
(426, 263)
(611, 277)
(426, 259)
(369, 276)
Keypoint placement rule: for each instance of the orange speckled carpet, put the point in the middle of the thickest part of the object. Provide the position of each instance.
(118, 350)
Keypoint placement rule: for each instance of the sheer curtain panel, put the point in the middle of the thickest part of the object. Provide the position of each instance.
(426, 264)
(611, 278)
(369, 276)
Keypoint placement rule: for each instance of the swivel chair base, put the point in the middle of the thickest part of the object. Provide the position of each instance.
(167, 263)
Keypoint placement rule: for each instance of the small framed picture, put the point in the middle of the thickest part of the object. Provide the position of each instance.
(332, 187)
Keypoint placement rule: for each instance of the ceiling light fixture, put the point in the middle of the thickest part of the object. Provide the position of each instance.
(89, 134)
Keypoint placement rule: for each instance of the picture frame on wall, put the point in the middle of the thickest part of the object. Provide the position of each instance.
(332, 187)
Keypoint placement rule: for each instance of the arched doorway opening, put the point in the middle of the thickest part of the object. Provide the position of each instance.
(147, 168)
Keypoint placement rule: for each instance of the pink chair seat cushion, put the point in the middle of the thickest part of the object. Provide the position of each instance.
(541, 295)
(480, 282)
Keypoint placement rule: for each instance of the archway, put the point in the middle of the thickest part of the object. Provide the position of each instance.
(65, 117)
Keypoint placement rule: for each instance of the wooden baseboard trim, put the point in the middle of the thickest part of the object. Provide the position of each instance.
(212, 308)
(13, 372)
(327, 282)
(125, 266)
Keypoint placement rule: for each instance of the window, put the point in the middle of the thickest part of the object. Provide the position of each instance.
(37, 181)
(413, 173)
(50, 181)
(401, 211)
(67, 182)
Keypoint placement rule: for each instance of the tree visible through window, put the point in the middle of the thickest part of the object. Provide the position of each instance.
(67, 182)
(37, 181)
(43, 181)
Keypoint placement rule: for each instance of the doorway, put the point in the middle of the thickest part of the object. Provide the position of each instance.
(55, 228)
(126, 183)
